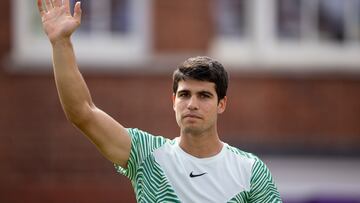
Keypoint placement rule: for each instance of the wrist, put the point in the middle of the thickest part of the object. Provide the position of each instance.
(63, 42)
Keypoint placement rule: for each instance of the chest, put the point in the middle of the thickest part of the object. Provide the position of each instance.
(217, 179)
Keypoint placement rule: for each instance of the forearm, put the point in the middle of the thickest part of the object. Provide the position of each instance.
(109, 136)
(73, 92)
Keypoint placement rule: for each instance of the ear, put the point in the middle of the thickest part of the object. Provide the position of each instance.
(173, 100)
(222, 105)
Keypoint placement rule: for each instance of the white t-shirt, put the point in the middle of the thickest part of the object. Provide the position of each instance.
(160, 171)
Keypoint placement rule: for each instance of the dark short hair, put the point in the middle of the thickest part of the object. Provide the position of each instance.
(202, 68)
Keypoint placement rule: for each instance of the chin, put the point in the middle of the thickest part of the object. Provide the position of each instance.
(192, 130)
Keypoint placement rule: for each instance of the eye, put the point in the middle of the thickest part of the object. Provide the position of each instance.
(204, 96)
(183, 94)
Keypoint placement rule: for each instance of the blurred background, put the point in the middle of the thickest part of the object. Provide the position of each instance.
(294, 95)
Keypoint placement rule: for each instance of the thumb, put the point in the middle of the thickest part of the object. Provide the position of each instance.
(77, 11)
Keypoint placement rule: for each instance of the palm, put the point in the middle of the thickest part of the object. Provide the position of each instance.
(57, 22)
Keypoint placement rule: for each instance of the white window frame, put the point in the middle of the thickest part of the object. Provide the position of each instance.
(263, 51)
(100, 50)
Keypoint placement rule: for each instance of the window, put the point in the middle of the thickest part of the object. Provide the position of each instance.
(113, 34)
(288, 34)
(334, 21)
(231, 18)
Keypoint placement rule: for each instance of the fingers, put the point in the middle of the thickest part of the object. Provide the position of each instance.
(67, 5)
(57, 3)
(48, 4)
(77, 11)
(40, 7)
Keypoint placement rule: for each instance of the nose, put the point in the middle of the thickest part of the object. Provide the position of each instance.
(193, 103)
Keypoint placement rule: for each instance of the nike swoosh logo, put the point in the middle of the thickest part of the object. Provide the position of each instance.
(196, 175)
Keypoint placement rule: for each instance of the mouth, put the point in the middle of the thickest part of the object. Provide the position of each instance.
(192, 116)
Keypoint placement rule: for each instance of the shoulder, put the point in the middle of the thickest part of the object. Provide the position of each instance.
(240, 154)
(142, 137)
(246, 161)
(143, 145)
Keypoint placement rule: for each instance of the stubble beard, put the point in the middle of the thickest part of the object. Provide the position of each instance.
(195, 129)
(191, 130)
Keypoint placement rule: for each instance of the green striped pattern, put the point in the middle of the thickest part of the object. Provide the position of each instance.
(151, 184)
(262, 185)
(148, 179)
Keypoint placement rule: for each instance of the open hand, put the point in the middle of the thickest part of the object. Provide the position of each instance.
(58, 23)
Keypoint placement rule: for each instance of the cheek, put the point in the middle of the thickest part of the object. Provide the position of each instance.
(178, 104)
(177, 110)
(177, 107)
(211, 107)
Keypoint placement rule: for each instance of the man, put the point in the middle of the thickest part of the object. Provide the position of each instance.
(195, 167)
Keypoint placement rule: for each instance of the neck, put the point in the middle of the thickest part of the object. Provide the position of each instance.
(201, 146)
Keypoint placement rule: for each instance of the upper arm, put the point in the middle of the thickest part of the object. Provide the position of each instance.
(110, 137)
(263, 188)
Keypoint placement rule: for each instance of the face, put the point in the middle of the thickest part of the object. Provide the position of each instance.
(196, 106)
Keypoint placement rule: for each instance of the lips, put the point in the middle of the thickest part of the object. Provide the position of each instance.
(191, 115)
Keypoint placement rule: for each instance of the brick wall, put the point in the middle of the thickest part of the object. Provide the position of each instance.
(181, 26)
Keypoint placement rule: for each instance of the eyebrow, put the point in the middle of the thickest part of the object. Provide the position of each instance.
(182, 91)
(199, 92)
(205, 92)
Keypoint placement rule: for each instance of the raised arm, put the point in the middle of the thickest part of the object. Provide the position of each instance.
(108, 135)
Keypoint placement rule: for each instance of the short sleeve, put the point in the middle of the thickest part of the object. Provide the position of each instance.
(142, 145)
(263, 188)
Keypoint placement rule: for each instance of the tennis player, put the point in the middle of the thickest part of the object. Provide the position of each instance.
(195, 167)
